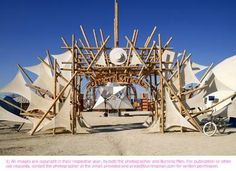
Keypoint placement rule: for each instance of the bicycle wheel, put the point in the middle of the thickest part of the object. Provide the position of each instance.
(221, 126)
(209, 129)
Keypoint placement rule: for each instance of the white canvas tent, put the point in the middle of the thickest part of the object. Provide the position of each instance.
(115, 97)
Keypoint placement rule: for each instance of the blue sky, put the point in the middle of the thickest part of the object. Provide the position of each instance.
(205, 28)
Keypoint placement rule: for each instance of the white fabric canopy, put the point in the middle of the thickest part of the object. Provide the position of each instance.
(168, 56)
(64, 57)
(232, 109)
(134, 60)
(17, 86)
(173, 117)
(40, 68)
(188, 76)
(8, 116)
(196, 101)
(225, 72)
(35, 121)
(62, 119)
(38, 102)
(101, 60)
(44, 81)
(219, 95)
(197, 67)
(116, 98)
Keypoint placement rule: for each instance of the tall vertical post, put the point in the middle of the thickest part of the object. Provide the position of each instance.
(179, 90)
(161, 85)
(74, 100)
(116, 25)
(55, 89)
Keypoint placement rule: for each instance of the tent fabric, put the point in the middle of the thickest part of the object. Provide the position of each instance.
(225, 72)
(64, 57)
(188, 76)
(168, 56)
(173, 117)
(196, 101)
(231, 110)
(101, 60)
(219, 95)
(134, 60)
(17, 86)
(8, 116)
(38, 102)
(214, 84)
(62, 119)
(197, 67)
(44, 81)
(41, 67)
(115, 98)
(35, 121)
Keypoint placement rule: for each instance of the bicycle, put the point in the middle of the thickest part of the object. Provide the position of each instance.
(214, 124)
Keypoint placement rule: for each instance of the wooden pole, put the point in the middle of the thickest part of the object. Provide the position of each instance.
(162, 125)
(9, 103)
(116, 25)
(194, 122)
(95, 38)
(207, 71)
(179, 90)
(54, 102)
(97, 54)
(74, 86)
(55, 89)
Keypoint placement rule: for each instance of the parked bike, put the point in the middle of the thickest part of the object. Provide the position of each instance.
(214, 125)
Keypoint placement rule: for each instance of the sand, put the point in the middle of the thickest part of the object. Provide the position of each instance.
(115, 136)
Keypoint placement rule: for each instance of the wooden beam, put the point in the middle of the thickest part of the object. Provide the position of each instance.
(95, 38)
(11, 104)
(133, 48)
(97, 54)
(54, 102)
(194, 122)
(207, 71)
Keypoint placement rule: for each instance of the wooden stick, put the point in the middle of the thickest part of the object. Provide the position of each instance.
(54, 102)
(23, 71)
(98, 53)
(55, 89)
(95, 38)
(135, 51)
(179, 100)
(162, 124)
(168, 42)
(116, 25)
(149, 54)
(102, 36)
(11, 104)
(149, 38)
(207, 71)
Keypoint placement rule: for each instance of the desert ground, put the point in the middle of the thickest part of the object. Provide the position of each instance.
(114, 136)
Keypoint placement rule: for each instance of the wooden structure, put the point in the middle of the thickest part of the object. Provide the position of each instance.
(153, 66)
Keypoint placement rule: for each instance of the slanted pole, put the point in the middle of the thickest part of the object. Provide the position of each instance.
(54, 102)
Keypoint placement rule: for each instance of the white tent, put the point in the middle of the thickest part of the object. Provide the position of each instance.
(173, 117)
(115, 98)
(225, 72)
(62, 119)
(8, 116)
(101, 60)
(40, 68)
(197, 67)
(17, 86)
(187, 75)
(134, 60)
